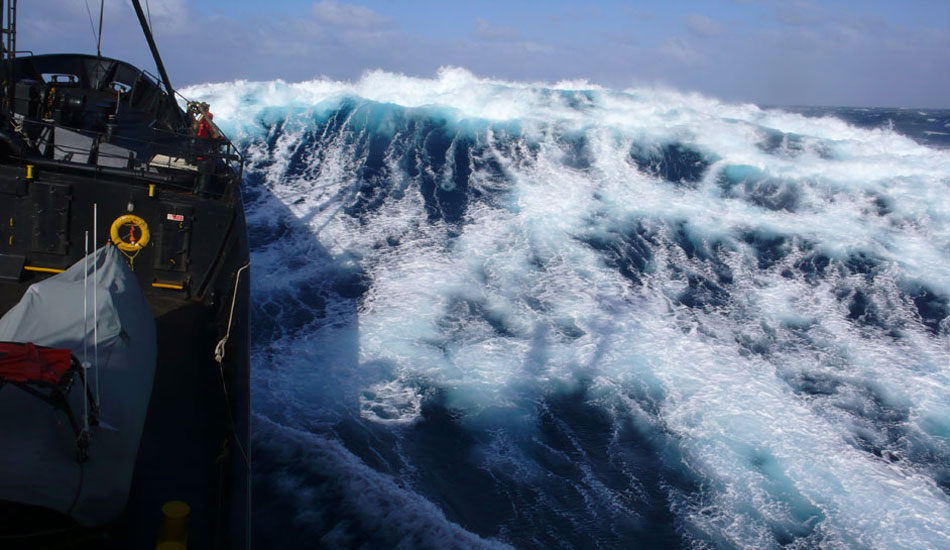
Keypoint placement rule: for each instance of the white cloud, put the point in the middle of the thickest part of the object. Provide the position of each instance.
(485, 30)
(802, 13)
(680, 50)
(700, 25)
(340, 15)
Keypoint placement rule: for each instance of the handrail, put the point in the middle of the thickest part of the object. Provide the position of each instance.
(231, 154)
(140, 168)
(152, 80)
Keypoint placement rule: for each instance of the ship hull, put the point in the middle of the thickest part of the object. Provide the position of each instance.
(193, 270)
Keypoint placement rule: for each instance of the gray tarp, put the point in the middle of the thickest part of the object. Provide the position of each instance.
(37, 446)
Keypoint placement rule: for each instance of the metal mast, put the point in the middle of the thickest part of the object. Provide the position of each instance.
(151, 44)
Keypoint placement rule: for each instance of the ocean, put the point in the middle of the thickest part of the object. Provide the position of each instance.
(491, 314)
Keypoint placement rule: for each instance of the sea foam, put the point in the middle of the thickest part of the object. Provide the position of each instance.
(567, 314)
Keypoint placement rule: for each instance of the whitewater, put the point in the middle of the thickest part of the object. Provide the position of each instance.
(491, 314)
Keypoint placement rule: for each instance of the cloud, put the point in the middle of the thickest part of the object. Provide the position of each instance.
(340, 15)
(505, 38)
(680, 50)
(642, 15)
(702, 26)
(801, 13)
(485, 30)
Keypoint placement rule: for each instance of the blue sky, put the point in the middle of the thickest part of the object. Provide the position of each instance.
(794, 52)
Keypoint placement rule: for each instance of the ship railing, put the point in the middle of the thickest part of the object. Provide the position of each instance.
(173, 159)
(230, 151)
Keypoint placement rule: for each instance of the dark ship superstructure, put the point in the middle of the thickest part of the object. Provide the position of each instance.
(96, 153)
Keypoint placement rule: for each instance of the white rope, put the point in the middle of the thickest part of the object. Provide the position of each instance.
(219, 357)
(219, 349)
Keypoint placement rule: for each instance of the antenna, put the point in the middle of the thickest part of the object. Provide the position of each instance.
(85, 336)
(95, 297)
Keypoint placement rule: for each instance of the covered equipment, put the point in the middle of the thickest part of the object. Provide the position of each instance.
(38, 462)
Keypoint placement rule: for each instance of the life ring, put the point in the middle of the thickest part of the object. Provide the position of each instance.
(131, 245)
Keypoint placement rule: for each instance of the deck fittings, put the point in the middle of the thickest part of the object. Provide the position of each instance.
(174, 532)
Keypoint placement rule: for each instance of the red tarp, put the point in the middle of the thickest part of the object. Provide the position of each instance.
(29, 363)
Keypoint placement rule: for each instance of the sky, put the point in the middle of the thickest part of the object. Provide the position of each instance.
(871, 53)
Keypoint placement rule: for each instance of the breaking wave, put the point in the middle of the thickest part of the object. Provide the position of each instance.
(560, 316)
